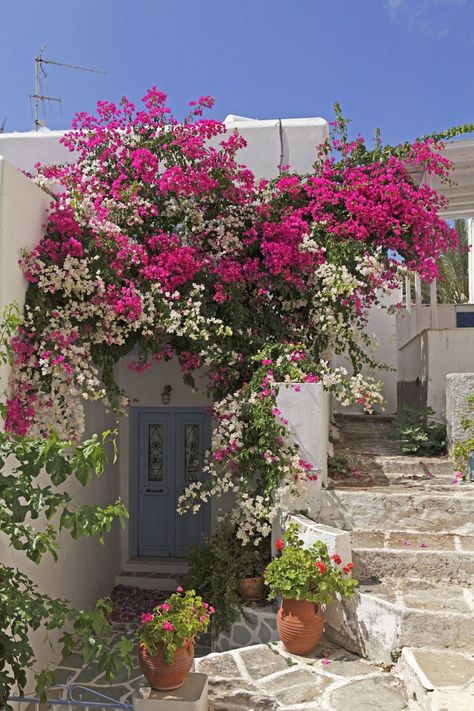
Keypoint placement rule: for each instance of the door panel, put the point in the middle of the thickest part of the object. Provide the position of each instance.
(170, 446)
(192, 440)
(155, 484)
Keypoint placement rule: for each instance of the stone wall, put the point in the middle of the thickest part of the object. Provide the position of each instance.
(459, 387)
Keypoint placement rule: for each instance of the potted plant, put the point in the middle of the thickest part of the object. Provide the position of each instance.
(304, 578)
(251, 563)
(167, 636)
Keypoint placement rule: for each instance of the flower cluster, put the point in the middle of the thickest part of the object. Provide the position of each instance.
(300, 573)
(159, 240)
(175, 622)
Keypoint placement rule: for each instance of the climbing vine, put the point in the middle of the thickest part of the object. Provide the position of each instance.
(159, 240)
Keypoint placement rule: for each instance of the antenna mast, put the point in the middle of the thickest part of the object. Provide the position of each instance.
(40, 73)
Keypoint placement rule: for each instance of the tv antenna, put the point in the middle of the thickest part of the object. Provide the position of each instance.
(40, 74)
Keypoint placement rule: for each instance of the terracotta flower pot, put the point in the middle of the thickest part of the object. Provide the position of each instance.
(161, 675)
(300, 625)
(252, 588)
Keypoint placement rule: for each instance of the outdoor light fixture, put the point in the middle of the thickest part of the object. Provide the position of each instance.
(166, 395)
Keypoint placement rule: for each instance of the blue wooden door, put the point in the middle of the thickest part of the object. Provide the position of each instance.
(169, 446)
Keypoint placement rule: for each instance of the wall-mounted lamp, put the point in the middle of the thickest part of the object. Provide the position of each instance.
(166, 395)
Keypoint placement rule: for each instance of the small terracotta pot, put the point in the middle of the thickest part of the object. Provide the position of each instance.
(161, 675)
(252, 588)
(300, 625)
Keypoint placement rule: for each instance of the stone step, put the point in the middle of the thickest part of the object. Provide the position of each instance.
(384, 617)
(397, 463)
(147, 580)
(154, 564)
(435, 565)
(396, 509)
(411, 540)
(438, 680)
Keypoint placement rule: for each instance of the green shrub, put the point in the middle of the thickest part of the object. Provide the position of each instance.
(419, 433)
(463, 448)
(216, 567)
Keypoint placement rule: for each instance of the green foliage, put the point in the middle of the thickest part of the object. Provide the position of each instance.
(252, 560)
(307, 573)
(32, 470)
(338, 464)
(179, 619)
(419, 433)
(453, 266)
(34, 509)
(216, 567)
(462, 449)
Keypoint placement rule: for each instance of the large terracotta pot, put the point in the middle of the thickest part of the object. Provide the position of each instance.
(300, 625)
(161, 675)
(252, 588)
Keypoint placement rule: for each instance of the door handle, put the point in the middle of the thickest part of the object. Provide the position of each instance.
(153, 491)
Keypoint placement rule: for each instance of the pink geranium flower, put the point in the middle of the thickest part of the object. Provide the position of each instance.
(146, 617)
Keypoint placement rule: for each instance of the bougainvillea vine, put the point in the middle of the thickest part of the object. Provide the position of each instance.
(159, 240)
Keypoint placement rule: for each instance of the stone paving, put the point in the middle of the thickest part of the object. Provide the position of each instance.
(263, 678)
(266, 677)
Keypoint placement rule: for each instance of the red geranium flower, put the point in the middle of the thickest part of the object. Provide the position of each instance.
(336, 558)
(279, 545)
(347, 568)
(321, 567)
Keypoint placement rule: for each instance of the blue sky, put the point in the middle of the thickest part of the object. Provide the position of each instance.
(403, 65)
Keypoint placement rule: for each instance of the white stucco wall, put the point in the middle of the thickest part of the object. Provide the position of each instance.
(430, 357)
(382, 325)
(86, 570)
(449, 351)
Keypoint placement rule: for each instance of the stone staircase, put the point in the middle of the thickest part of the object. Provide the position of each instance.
(412, 535)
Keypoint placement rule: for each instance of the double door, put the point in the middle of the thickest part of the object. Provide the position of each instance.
(169, 447)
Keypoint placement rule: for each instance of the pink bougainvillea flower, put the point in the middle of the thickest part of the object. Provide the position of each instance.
(165, 607)
(326, 662)
(168, 626)
(146, 617)
(179, 589)
(160, 240)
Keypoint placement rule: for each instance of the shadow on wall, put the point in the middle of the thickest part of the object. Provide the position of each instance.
(412, 393)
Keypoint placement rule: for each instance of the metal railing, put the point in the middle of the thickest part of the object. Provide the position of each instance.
(72, 698)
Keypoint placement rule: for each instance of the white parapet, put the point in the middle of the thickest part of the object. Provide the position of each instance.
(191, 696)
(307, 410)
(337, 541)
